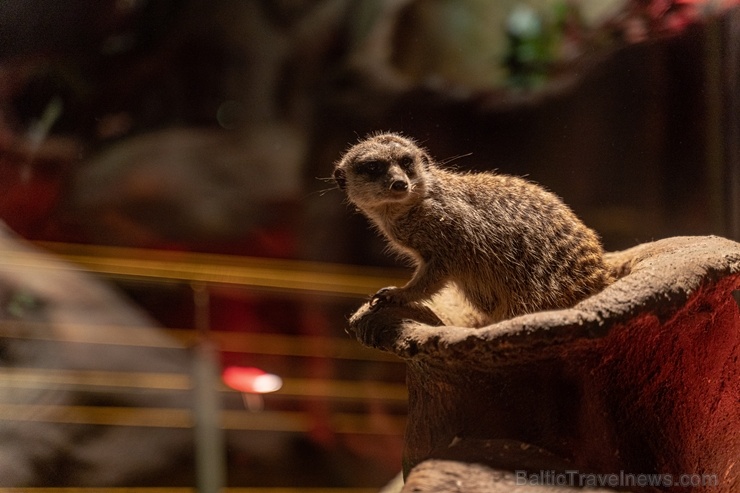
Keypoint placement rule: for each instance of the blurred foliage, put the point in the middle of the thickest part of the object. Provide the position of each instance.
(543, 40)
(531, 47)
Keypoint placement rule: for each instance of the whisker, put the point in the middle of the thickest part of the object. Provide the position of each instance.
(448, 160)
(323, 191)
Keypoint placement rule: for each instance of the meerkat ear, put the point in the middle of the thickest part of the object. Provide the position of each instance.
(340, 178)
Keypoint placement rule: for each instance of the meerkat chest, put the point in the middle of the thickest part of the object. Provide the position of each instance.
(420, 230)
(402, 230)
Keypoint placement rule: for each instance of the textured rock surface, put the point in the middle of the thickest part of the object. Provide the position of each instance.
(448, 476)
(642, 378)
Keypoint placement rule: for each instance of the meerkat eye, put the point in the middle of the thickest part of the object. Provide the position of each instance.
(372, 168)
(406, 162)
(407, 165)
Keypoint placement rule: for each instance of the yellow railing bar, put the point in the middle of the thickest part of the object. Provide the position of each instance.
(281, 421)
(236, 342)
(189, 490)
(291, 275)
(34, 378)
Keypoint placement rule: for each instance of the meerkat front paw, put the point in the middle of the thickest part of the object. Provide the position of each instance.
(388, 295)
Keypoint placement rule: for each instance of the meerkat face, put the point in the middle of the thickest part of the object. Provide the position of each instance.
(382, 170)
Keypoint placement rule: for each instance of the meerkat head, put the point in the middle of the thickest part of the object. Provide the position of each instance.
(382, 170)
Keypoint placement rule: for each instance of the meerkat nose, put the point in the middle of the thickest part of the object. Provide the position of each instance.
(399, 186)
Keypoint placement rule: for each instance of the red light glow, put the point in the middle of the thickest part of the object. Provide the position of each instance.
(251, 380)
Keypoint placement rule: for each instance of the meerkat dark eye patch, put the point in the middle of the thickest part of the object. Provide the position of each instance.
(406, 162)
(372, 168)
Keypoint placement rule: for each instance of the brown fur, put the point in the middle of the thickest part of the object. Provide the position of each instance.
(509, 245)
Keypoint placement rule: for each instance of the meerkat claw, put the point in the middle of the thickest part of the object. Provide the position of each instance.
(384, 295)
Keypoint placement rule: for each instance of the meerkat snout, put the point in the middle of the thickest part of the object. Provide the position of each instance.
(399, 186)
(397, 179)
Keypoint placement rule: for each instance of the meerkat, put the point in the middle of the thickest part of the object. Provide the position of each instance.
(509, 245)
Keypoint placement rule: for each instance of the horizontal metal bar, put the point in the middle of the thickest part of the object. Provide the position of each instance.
(275, 421)
(34, 378)
(190, 490)
(289, 275)
(236, 342)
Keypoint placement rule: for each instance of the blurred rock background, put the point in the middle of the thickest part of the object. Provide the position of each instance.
(205, 125)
